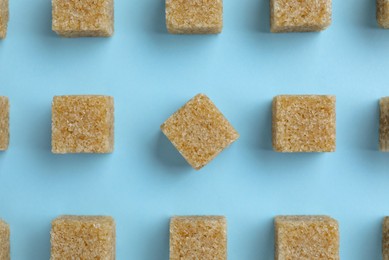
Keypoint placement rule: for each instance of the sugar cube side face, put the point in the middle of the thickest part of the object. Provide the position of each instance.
(83, 237)
(304, 123)
(4, 241)
(83, 18)
(382, 13)
(198, 237)
(384, 125)
(300, 15)
(306, 237)
(4, 123)
(199, 131)
(4, 17)
(82, 124)
(385, 239)
(194, 16)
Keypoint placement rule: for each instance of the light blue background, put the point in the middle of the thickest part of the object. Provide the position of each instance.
(151, 74)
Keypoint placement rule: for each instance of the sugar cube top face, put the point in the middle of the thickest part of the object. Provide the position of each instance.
(83, 237)
(198, 237)
(194, 16)
(4, 123)
(385, 239)
(4, 241)
(306, 238)
(82, 124)
(383, 13)
(4, 17)
(384, 124)
(304, 123)
(199, 131)
(300, 15)
(83, 18)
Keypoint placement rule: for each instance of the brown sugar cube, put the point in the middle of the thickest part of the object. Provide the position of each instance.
(4, 17)
(306, 238)
(300, 15)
(383, 13)
(4, 241)
(304, 123)
(198, 237)
(83, 18)
(199, 131)
(83, 237)
(194, 16)
(82, 124)
(4, 123)
(385, 239)
(384, 124)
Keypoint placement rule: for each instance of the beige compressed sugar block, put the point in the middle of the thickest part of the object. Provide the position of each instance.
(83, 18)
(385, 239)
(383, 13)
(194, 16)
(4, 123)
(83, 237)
(198, 237)
(304, 123)
(82, 124)
(4, 241)
(300, 15)
(4, 17)
(384, 124)
(199, 131)
(306, 238)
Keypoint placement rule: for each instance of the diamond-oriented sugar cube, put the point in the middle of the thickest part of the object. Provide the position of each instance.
(306, 238)
(300, 15)
(304, 123)
(83, 18)
(4, 241)
(4, 123)
(4, 17)
(384, 124)
(83, 237)
(199, 131)
(194, 16)
(82, 124)
(198, 237)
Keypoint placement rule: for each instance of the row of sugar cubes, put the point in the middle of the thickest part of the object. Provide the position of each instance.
(199, 131)
(95, 18)
(193, 237)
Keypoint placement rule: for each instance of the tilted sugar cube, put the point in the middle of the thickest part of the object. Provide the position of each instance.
(199, 131)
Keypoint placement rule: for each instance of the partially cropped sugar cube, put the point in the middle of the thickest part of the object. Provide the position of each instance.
(306, 238)
(83, 237)
(194, 16)
(4, 123)
(4, 17)
(304, 123)
(383, 13)
(83, 18)
(198, 237)
(4, 241)
(385, 239)
(82, 124)
(300, 15)
(199, 131)
(384, 124)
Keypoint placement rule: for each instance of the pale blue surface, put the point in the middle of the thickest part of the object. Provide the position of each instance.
(151, 74)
